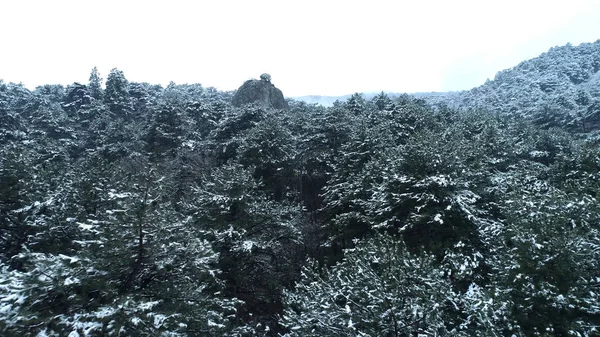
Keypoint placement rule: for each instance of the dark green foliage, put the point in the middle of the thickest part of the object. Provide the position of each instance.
(380, 289)
(95, 85)
(78, 98)
(271, 150)
(143, 97)
(165, 133)
(258, 240)
(116, 94)
(14, 196)
(10, 120)
(138, 210)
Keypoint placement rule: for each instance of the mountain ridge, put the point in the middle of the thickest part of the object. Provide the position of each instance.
(545, 88)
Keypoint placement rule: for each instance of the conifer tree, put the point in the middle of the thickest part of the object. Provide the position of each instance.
(95, 84)
(116, 94)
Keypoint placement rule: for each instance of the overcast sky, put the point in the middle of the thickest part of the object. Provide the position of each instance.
(309, 47)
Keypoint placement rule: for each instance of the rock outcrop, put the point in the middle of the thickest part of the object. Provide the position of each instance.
(261, 92)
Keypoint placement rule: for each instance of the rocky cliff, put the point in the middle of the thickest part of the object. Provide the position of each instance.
(261, 92)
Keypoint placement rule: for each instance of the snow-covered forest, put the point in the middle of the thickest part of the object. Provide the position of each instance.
(131, 209)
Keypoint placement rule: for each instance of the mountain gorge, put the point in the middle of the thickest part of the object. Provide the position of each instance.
(132, 209)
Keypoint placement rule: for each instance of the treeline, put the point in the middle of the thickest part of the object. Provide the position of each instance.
(129, 209)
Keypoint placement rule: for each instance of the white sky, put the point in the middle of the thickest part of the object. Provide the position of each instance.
(323, 47)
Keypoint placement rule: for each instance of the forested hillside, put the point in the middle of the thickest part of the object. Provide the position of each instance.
(129, 209)
(560, 88)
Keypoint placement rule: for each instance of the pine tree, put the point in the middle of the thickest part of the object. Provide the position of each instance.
(116, 94)
(166, 130)
(95, 84)
(78, 98)
(380, 289)
(258, 240)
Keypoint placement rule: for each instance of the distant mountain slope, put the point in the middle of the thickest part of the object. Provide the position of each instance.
(321, 100)
(329, 100)
(558, 88)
